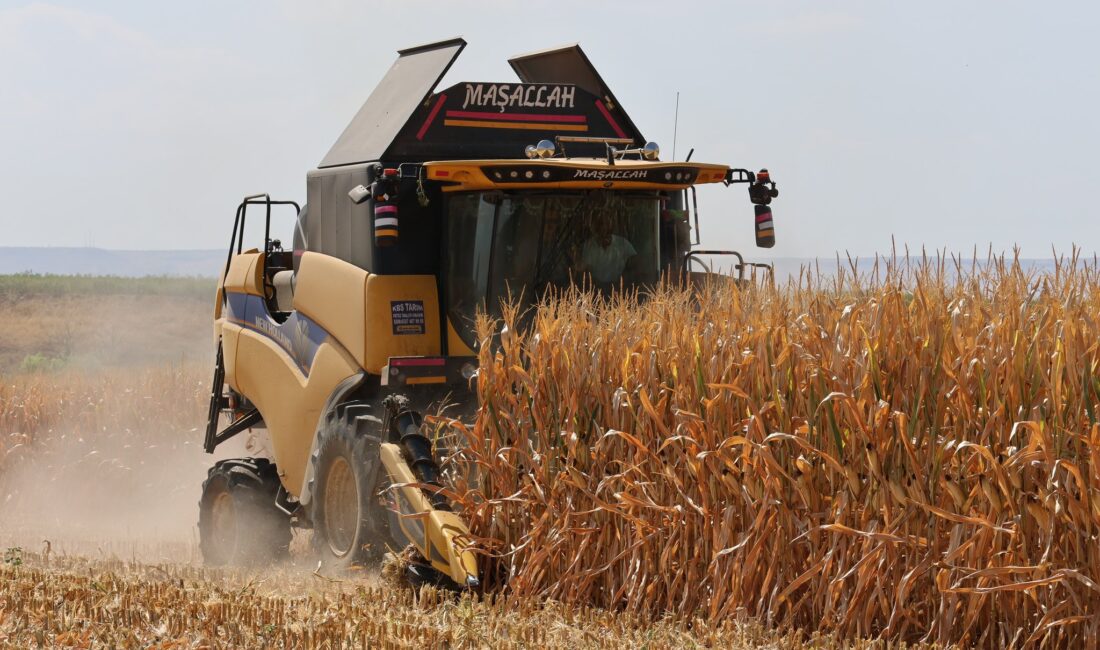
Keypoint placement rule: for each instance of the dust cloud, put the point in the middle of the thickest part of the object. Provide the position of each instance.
(130, 495)
(120, 497)
(104, 456)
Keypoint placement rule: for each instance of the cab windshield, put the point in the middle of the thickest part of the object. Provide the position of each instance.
(518, 245)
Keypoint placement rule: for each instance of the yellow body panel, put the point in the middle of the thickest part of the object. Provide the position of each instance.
(444, 540)
(230, 333)
(246, 274)
(290, 402)
(356, 308)
(219, 296)
(381, 342)
(332, 292)
(469, 175)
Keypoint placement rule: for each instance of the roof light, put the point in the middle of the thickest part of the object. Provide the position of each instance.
(545, 149)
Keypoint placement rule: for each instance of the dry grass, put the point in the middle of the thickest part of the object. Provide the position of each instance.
(911, 455)
(88, 322)
(104, 402)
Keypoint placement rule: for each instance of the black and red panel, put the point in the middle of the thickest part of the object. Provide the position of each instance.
(498, 120)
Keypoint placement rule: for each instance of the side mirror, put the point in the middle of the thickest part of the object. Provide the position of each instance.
(761, 192)
(358, 194)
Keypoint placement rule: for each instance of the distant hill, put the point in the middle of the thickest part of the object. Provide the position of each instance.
(209, 263)
(99, 261)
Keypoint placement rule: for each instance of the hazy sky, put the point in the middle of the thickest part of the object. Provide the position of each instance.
(946, 124)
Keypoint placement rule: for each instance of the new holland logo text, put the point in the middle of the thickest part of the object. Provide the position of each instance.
(272, 330)
(504, 96)
(611, 174)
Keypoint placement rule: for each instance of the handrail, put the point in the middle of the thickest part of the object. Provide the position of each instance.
(693, 256)
(237, 237)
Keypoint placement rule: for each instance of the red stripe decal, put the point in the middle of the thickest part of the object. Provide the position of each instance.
(397, 363)
(431, 117)
(610, 120)
(384, 209)
(516, 117)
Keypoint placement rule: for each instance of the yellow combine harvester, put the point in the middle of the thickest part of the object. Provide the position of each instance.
(430, 206)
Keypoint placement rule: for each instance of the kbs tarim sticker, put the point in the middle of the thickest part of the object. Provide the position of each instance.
(407, 316)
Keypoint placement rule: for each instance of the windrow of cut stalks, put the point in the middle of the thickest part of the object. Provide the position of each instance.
(910, 454)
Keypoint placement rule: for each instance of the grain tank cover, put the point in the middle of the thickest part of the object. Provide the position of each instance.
(568, 65)
(405, 120)
(409, 81)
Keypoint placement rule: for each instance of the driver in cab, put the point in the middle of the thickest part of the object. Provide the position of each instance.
(606, 255)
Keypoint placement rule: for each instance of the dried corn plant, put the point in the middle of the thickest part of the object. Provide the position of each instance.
(909, 454)
(41, 411)
(164, 396)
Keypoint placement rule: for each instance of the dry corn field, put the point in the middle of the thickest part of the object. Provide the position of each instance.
(906, 454)
(902, 455)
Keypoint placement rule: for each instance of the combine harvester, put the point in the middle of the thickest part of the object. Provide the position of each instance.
(430, 206)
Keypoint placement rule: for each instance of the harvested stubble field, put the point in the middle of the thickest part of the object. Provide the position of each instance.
(77, 602)
(909, 455)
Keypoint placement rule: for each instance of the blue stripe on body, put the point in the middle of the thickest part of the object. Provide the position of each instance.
(299, 336)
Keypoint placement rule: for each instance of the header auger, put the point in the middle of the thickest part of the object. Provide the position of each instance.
(432, 205)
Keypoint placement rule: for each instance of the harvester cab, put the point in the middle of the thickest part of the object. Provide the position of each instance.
(431, 205)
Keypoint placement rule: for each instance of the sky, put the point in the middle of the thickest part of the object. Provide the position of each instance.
(947, 125)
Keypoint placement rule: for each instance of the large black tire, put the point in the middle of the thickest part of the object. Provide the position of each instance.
(349, 518)
(239, 523)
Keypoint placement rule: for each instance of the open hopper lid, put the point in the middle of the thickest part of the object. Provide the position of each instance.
(408, 83)
(569, 65)
(404, 119)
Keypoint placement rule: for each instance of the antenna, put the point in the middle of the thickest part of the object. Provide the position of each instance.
(675, 125)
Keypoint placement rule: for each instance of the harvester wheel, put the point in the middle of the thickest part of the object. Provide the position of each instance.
(239, 523)
(349, 526)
